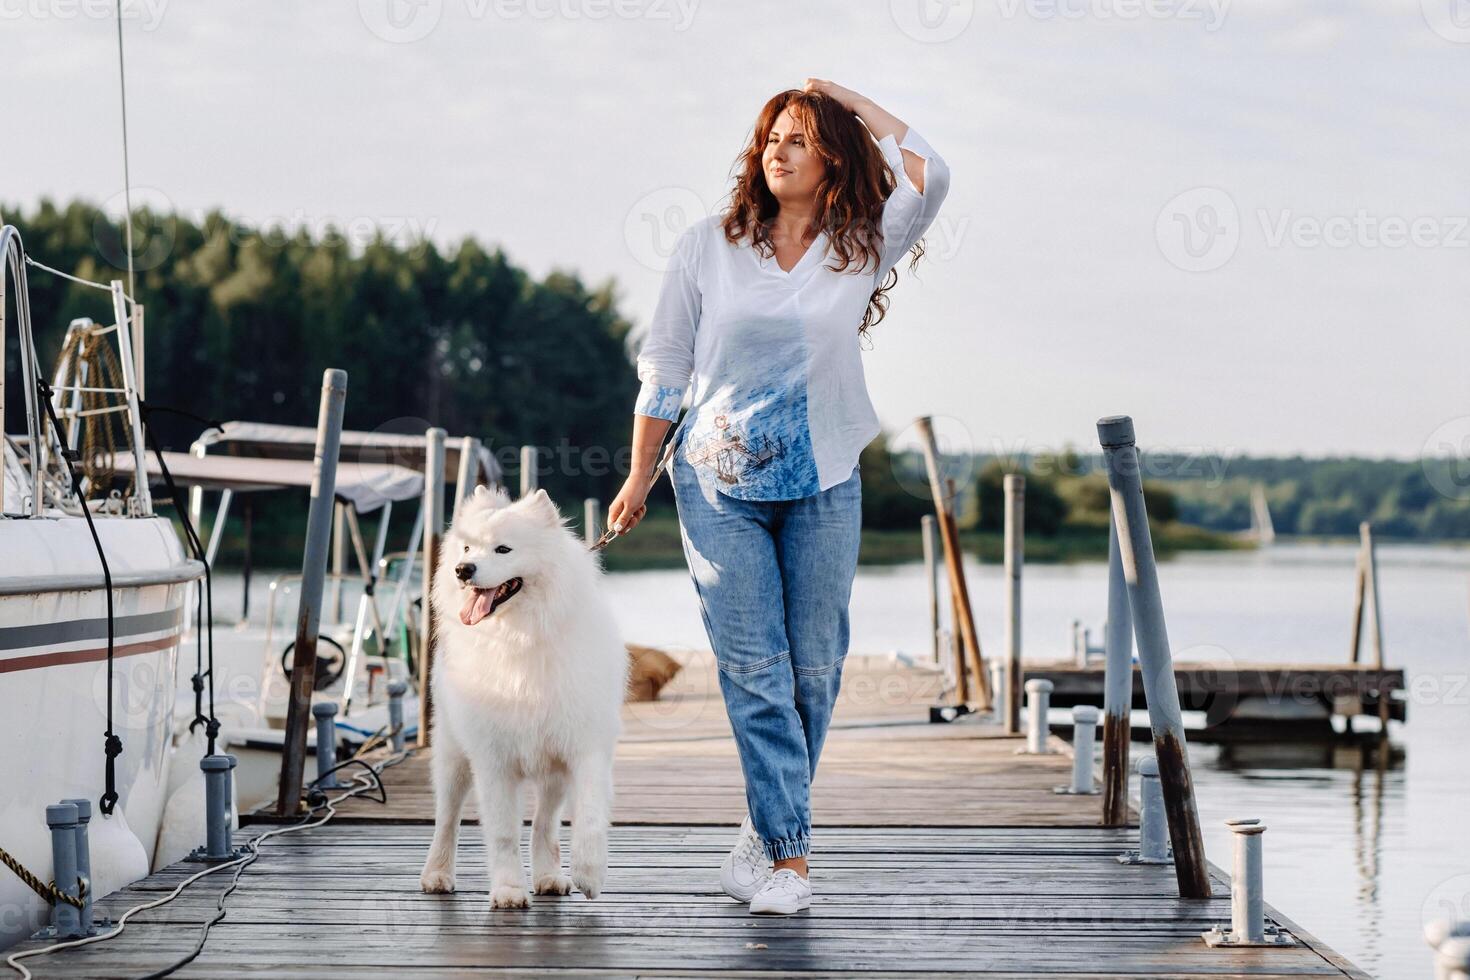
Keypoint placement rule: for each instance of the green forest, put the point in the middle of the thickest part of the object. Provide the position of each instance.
(242, 321)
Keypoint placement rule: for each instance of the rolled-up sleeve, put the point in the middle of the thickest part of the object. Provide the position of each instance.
(908, 213)
(666, 361)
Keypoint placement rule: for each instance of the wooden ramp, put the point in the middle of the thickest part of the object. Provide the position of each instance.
(938, 851)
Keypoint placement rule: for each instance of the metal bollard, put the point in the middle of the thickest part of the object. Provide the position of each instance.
(66, 919)
(218, 790)
(396, 691)
(325, 713)
(1153, 827)
(84, 867)
(1248, 926)
(1451, 943)
(997, 670)
(1038, 703)
(1084, 736)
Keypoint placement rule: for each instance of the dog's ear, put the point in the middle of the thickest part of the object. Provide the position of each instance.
(540, 504)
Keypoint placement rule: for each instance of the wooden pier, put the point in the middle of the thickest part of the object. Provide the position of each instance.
(938, 851)
(1244, 700)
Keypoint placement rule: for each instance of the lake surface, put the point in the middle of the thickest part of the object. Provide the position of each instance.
(1361, 856)
(1358, 855)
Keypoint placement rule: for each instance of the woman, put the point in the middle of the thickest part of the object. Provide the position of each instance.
(764, 463)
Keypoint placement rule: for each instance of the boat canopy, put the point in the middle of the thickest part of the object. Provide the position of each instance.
(366, 486)
(269, 440)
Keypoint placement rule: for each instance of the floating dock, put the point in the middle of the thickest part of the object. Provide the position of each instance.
(938, 851)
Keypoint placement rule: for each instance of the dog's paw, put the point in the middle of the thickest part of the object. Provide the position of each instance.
(588, 879)
(509, 897)
(437, 881)
(555, 883)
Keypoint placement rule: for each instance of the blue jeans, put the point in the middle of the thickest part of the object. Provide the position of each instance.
(774, 579)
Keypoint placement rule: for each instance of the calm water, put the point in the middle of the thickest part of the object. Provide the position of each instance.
(1358, 856)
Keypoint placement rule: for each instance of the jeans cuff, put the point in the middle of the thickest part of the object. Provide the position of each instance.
(788, 847)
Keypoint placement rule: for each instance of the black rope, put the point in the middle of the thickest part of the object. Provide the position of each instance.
(204, 603)
(112, 745)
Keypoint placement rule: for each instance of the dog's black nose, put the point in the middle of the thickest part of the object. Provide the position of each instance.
(465, 570)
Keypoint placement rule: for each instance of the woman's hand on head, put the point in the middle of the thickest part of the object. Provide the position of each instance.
(845, 97)
(628, 507)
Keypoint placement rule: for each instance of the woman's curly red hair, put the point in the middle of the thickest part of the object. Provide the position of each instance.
(850, 197)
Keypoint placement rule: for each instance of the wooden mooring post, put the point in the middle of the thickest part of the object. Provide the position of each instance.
(313, 572)
(1117, 688)
(433, 531)
(953, 564)
(1135, 546)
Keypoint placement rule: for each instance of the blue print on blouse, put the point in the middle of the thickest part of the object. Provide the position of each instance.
(660, 401)
(756, 445)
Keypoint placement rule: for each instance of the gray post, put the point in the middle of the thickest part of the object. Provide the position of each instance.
(313, 571)
(528, 470)
(931, 581)
(1079, 644)
(66, 919)
(1247, 899)
(1136, 547)
(396, 691)
(1015, 547)
(325, 713)
(591, 521)
(1084, 735)
(433, 531)
(997, 675)
(1153, 831)
(1117, 689)
(1038, 703)
(84, 862)
(218, 777)
(464, 483)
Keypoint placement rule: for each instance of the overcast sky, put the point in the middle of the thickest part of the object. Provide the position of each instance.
(1242, 223)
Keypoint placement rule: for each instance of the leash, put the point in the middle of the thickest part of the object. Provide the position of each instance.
(616, 531)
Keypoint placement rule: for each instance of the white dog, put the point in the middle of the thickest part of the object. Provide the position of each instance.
(527, 684)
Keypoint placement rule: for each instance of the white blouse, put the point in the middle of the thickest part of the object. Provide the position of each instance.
(779, 407)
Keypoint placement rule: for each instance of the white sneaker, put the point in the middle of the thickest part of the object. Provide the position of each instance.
(746, 868)
(783, 893)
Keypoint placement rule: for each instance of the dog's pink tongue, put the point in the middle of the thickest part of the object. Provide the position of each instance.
(476, 608)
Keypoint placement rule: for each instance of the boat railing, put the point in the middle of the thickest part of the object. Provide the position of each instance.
(45, 449)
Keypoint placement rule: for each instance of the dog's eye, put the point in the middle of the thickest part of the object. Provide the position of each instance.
(466, 549)
(503, 549)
